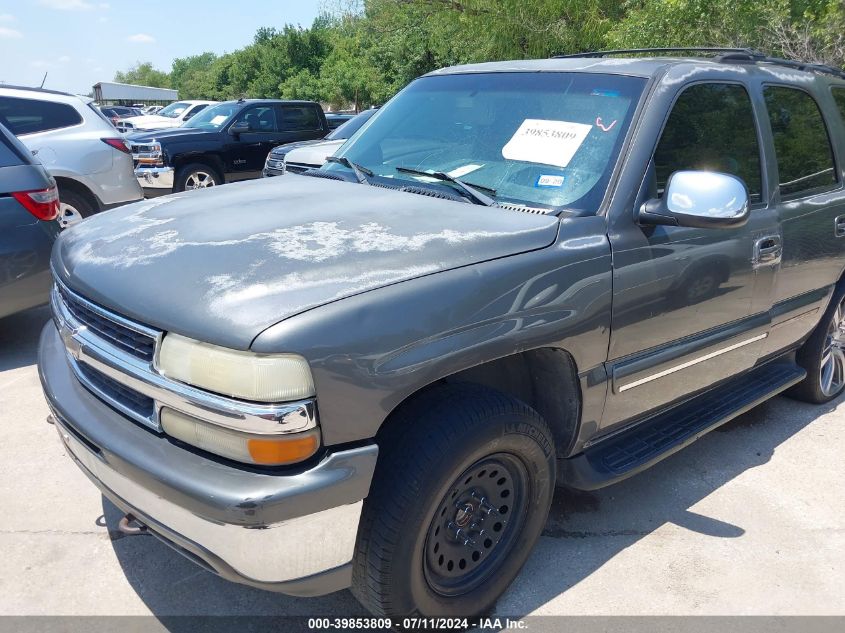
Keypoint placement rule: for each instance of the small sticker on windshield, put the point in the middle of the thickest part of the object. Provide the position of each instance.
(549, 180)
(546, 142)
(463, 171)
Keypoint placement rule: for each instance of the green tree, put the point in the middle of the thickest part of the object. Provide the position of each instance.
(143, 74)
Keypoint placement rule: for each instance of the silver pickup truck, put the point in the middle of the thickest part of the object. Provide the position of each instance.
(518, 274)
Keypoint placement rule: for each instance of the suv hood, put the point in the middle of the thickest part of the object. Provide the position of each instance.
(152, 122)
(315, 154)
(223, 264)
(167, 133)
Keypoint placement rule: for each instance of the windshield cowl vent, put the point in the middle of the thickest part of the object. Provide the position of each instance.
(433, 193)
(524, 209)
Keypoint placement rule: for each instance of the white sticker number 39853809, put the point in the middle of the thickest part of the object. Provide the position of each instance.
(546, 142)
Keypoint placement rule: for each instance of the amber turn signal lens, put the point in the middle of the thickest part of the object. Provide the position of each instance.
(275, 452)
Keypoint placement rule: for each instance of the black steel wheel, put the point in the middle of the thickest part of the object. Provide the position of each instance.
(474, 526)
(460, 495)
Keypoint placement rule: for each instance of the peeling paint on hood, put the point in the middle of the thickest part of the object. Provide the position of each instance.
(223, 264)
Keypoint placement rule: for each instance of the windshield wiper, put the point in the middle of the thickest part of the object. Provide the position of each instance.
(361, 172)
(471, 190)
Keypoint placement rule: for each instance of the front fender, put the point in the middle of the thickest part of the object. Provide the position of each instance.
(371, 351)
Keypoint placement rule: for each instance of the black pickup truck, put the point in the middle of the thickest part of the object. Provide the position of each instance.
(224, 143)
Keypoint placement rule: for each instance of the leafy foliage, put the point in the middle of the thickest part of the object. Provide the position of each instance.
(360, 52)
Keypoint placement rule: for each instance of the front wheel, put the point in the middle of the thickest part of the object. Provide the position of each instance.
(196, 176)
(823, 356)
(460, 495)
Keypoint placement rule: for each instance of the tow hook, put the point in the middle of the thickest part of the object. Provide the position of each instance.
(131, 526)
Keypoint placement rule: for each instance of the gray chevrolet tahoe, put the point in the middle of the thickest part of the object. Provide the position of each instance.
(520, 274)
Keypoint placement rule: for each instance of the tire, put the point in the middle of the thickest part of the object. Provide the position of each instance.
(823, 355)
(73, 207)
(196, 176)
(465, 452)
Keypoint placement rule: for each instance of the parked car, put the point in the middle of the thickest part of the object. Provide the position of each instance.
(226, 143)
(373, 375)
(154, 109)
(116, 113)
(170, 116)
(299, 157)
(78, 146)
(29, 206)
(336, 119)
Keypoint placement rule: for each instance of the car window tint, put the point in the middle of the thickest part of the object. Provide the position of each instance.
(7, 155)
(299, 118)
(27, 116)
(195, 110)
(711, 128)
(259, 119)
(802, 147)
(839, 97)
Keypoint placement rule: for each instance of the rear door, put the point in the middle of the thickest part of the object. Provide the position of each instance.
(687, 312)
(810, 204)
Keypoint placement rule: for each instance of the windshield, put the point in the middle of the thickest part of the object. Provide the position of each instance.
(539, 139)
(350, 127)
(173, 110)
(213, 117)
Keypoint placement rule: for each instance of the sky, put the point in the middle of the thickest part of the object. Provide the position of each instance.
(80, 42)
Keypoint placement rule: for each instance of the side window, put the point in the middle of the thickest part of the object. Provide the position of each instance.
(28, 116)
(259, 118)
(711, 128)
(802, 147)
(839, 97)
(194, 110)
(302, 118)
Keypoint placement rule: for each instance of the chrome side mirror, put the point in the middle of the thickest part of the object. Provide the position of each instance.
(700, 199)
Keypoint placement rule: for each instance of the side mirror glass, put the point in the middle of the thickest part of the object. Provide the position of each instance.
(238, 127)
(701, 199)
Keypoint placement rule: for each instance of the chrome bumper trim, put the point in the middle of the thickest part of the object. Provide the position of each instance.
(285, 551)
(84, 347)
(155, 177)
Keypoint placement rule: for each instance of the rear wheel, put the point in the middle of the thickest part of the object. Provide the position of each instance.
(460, 495)
(73, 207)
(823, 356)
(196, 176)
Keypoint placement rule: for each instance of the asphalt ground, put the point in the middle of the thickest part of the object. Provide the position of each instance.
(748, 520)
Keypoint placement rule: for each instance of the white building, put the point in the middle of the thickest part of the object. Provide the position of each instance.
(127, 94)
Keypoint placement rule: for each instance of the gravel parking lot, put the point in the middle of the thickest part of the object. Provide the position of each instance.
(749, 520)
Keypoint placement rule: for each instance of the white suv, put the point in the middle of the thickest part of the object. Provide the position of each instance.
(76, 144)
(173, 115)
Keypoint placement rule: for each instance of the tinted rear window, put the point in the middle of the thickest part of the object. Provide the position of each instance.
(28, 116)
(804, 156)
(299, 118)
(12, 151)
(839, 97)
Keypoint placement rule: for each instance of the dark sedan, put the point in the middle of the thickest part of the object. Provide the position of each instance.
(29, 206)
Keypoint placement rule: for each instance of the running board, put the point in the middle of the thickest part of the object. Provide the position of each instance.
(654, 439)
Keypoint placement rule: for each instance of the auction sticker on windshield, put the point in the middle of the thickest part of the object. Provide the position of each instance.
(546, 142)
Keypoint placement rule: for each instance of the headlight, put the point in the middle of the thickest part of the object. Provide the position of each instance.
(267, 450)
(148, 154)
(245, 375)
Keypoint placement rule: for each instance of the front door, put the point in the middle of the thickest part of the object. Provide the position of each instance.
(685, 312)
(246, 153)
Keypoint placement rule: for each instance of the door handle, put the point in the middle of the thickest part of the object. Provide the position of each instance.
(839, 226)
(768, 250)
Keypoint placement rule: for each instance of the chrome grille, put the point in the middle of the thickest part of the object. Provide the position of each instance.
(298, 168)
(117, 394)
(134, 341)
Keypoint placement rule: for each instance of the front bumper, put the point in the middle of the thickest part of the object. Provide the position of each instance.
(287, 531)
(155, 177)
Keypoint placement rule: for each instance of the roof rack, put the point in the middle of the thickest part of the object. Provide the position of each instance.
(684, 49)
(726, 55)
